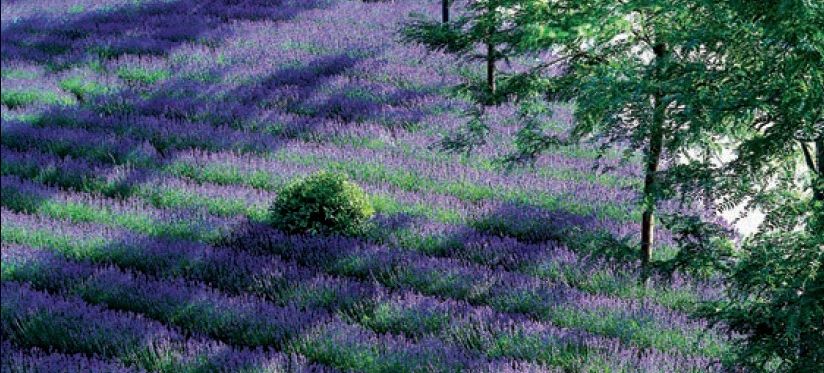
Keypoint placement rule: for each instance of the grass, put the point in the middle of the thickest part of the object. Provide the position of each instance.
(140, 75)
(79, 212)
(18, 98)
(82, 88)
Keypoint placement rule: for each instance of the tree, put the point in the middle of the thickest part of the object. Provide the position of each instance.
(484, 25)
(773, 84)
(636, 71)
(775, 295)
(445, 11)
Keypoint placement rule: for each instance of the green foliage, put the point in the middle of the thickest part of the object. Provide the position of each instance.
(704, 248)
(435, 36)
(467, 138)
(483, 23)
(776, 299)
(81, 88)
(775, 87)
(14, 98)
(777, 91)
(141, 75)
(323, 203)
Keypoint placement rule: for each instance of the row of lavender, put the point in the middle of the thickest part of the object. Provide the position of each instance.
(141, 144)
(236, 272)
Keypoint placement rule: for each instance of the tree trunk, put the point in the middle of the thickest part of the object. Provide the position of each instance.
(818, 188)
(491, 54)
(653, 159)
(490, 67)
(656, 144)
(445, 11)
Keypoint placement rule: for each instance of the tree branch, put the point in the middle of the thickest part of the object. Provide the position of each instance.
(808, 157)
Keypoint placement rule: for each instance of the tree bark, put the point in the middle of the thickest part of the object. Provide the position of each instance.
(445, 11)
(818, 188)
(653, 160)
(490, 67)
(490, 50)
(656, 144)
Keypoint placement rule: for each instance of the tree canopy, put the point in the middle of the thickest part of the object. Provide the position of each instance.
(724, 102)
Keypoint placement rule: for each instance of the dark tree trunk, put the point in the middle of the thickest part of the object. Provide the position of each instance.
(490, 67)
(653, 159)
(491, 53)
(818, 189)
(445, 11)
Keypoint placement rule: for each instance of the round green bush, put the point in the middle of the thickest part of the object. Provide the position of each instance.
(323, 203)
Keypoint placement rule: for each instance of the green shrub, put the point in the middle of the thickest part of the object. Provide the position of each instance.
(323, 203)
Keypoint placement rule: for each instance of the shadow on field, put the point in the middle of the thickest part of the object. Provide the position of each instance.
(152, 28)
(135, 130)
(138, 128)
(131, 126)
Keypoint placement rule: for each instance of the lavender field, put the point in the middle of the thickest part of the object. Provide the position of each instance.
(143, 141)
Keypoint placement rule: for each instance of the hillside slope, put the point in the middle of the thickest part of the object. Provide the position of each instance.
(143, 141)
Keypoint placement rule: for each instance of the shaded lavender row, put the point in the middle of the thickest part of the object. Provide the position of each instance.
(488, 330)
(239, 320)
(461, 242)
(475, 327)
(328, 253)
(152, 28)
(36, 319)
(503, 290)
(502, 211)
(494, 247)
(232, 271)
(14, 360)
(471, 282)
(361, 349)
(134, 184)
(456, 241)
(619, 229)
(23, 137)
(97, 145)
(240, 50)
(161, 300)
(505, 211)
(195, 220)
